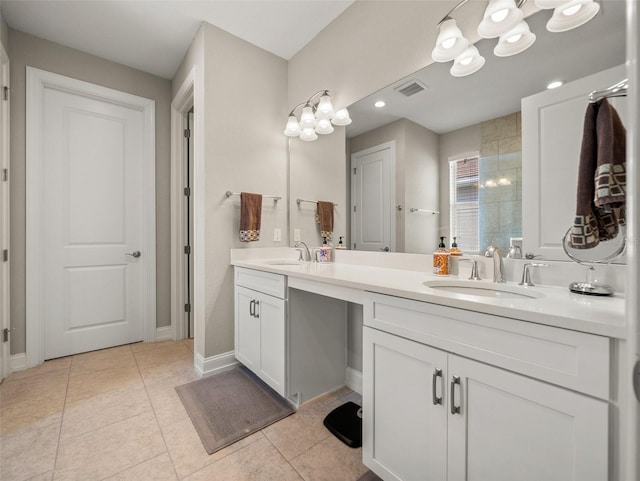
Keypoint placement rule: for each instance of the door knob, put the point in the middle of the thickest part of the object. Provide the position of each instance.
(135, 254)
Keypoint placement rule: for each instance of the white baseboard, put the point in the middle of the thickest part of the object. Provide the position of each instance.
(18, 362)
(164, 333)
(354, 380)
(215, 364)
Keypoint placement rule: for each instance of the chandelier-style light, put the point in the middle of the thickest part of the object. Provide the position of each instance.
(504, 19)
(317, 117)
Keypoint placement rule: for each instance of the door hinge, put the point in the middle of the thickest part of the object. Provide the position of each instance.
(5, 175)
(187, 191)
(187, 308)
(5, 334)
(354, 208)
(187, 133)
(354, 171)
(5, 255)
(6, 93)
(187, 250)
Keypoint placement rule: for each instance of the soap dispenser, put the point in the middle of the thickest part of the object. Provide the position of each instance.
(441, 259)
(455, 251)
(341, 244)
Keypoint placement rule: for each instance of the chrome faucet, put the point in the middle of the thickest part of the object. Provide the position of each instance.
(304, 255)
(498, 265)
(526, 275)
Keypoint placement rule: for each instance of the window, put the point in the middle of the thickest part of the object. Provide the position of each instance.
(463, 200)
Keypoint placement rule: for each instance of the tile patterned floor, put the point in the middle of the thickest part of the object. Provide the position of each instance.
(114, 415)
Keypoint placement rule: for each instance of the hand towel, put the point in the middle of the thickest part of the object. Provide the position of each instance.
(601, 178)
(250, 216)
(324, 217)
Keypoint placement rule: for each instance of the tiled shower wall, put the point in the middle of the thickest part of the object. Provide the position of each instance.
(500, 177)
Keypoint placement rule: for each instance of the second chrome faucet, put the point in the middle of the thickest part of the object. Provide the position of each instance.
(498, 264)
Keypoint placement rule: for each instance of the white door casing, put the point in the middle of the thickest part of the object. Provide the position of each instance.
(4, 214)
(373, 198)
(90, 202)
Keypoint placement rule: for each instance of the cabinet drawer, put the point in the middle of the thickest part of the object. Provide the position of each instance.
(575, 360)
(267, 282)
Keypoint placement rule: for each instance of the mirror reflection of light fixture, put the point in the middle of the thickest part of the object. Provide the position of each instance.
(505, 19)
(316, 118)
(572, 14)
(516, 40)
(499, 17)
(468, 62)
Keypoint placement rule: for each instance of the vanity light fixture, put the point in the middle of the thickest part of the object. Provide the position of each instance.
(316, 118)
(504, 19)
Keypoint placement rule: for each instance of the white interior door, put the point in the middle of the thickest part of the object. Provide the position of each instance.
(4, 217)
(96, 244)
(373, 198)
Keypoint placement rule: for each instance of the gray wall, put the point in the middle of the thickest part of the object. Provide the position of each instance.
(26, 50)
(4, 33)
(240, 112)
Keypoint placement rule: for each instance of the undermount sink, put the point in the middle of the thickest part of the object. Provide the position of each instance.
(283, 262)
(483, 289)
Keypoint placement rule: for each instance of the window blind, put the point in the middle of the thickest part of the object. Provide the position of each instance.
(464, 205)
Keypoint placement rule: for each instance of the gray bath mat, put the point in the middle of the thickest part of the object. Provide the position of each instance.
(229, 406)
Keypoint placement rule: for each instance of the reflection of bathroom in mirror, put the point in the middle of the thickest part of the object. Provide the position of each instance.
(464, 135)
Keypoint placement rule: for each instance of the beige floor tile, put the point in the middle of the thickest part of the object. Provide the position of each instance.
(187, 451)
(46, 367)
(30, 452)
(169, 375)
(159, 468)
(330, 460)
(114, 358)
(20, 416)
(86, 384)
(41, 386)
(163, 355)
(189, 344)
(109, 450)
(98, 411)
(150, 346)
(48, 476)
(259, 461)
(167, 405)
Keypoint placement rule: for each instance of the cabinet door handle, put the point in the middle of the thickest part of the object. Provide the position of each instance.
(437, 373)
(454, 409)
(252, 307)
(256, 312)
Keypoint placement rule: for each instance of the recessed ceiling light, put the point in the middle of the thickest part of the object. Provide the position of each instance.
(555, 84)
(379, 104)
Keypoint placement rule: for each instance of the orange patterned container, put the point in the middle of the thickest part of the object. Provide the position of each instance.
(441, 263)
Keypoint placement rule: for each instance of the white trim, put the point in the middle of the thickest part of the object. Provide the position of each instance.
(37, 81)
(5, 213)
(215, 364)
(182, 103)
(18, 362)
(353, 380)
(164, 333)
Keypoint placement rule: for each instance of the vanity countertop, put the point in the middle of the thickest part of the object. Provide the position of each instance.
(556, 306)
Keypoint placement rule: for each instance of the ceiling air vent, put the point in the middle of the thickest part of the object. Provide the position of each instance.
(411, 88)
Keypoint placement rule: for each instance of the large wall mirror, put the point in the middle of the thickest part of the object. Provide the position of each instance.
(446, 132)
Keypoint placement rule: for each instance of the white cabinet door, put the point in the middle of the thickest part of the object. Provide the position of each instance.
(404, 419)
(272, 341)
(512, 427)
(247, 329)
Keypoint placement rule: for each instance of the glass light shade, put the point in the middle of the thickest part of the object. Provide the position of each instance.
(308, 135)
(515, 41)
(324, 110)
(293, 127)
(341, 118)
(307, 119)
(468, 62)
(500, 16)
(324, 127)
(572, 14)
(450, 42)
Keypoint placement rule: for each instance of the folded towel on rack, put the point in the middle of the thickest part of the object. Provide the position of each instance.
(250, 216)
(600, 205)
(324, 217)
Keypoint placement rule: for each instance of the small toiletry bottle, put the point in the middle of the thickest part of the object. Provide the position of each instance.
(341, 244)
(455, 251)
(324, 253)
(441, 259)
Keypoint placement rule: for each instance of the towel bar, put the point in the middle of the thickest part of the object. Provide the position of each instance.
(413, 209)
(299, 201)
(274, 197)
